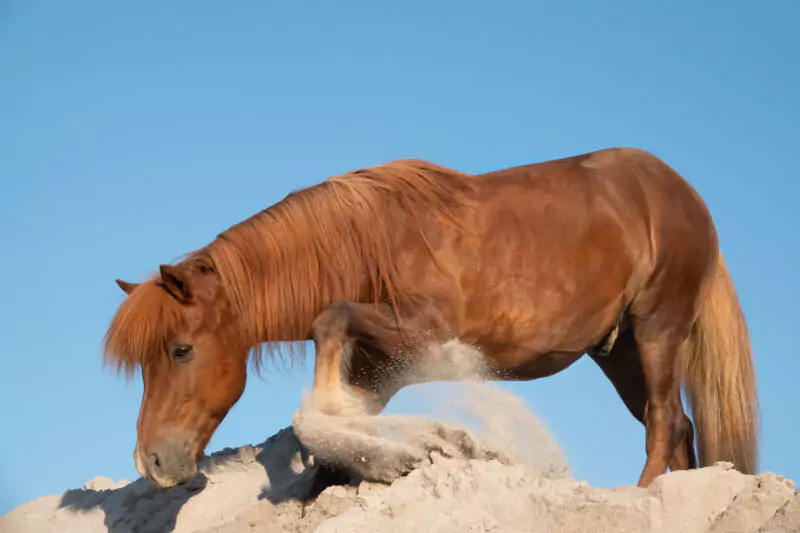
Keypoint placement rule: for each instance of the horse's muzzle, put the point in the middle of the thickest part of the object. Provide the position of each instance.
(168, 461)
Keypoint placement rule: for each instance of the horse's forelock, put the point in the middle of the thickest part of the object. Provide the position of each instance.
(140, 327)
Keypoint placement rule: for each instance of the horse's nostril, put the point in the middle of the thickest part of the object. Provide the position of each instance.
(154, 461)
(166, 461)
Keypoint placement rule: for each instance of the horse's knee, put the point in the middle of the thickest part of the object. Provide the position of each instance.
(333, 320)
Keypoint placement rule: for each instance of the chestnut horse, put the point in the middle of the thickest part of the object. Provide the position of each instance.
(610, 254)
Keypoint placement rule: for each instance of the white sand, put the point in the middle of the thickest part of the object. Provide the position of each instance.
(414, 474)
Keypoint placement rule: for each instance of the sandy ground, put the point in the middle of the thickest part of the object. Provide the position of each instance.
(415, 474)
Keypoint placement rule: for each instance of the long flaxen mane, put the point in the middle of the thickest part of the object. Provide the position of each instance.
(336, 240)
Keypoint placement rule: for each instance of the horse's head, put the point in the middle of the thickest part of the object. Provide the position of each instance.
(180, 329)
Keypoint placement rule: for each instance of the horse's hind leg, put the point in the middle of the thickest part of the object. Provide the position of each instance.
(685, 457)
(668, 431)
(623, 367)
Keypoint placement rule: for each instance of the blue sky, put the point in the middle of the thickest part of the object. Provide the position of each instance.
(131, 133)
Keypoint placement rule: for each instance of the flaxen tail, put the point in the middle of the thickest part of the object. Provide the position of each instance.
(718, 375)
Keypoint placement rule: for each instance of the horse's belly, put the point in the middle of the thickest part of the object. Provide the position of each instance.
(541, 340)
(540, 366)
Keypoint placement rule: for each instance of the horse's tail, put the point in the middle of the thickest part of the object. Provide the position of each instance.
(718, 375)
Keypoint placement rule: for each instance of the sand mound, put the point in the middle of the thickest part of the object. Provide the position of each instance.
(411, 474)
(500, 471)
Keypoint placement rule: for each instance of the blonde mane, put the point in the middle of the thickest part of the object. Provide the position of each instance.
(333, 241)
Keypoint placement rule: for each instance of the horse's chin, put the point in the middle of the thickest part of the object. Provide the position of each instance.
(162, 482)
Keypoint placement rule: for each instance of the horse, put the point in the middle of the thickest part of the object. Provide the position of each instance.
(610, 254)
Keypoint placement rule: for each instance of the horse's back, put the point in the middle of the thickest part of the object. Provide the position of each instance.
(654, 205)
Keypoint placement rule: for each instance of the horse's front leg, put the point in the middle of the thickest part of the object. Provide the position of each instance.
(362, 351)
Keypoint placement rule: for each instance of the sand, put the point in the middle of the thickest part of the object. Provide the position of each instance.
(498, 471)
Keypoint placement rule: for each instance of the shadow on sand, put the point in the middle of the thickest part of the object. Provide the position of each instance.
(139, 508)
(286, 484)
(136, 507)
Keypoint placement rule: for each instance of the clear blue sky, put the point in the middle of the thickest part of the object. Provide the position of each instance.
(133, 132)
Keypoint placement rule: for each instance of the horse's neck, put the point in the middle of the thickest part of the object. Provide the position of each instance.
(278, 295)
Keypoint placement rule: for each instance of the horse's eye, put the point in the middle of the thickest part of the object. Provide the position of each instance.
(182, 353)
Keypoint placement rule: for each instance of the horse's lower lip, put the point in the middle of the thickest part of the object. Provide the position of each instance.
(166, 460)
(166, 483)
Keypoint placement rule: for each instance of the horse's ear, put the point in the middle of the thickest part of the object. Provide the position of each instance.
(125, 286)
(176, 283)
